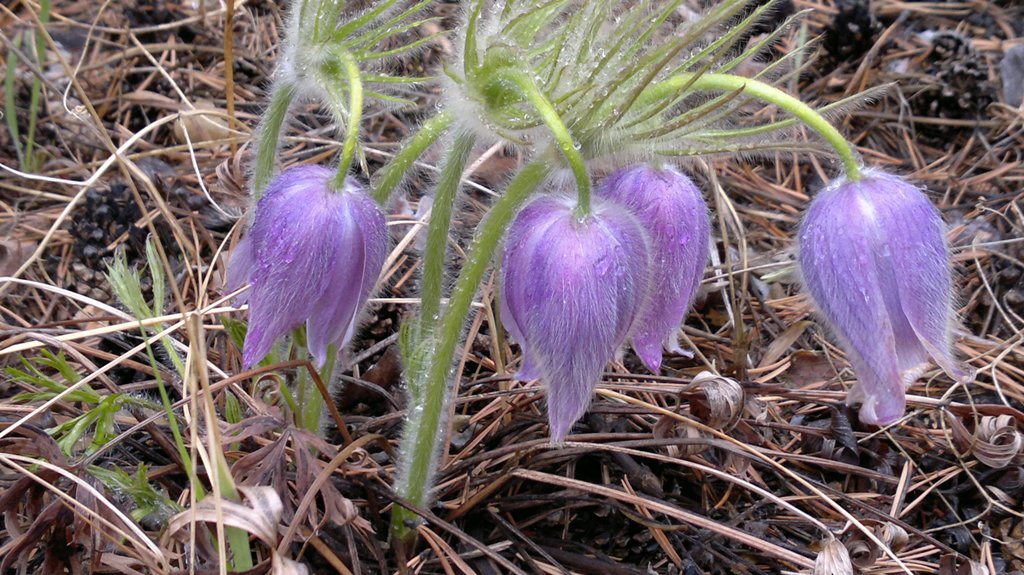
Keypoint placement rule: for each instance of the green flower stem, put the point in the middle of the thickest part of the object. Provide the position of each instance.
(311, 402)
(767, 93)
(563, 138)
(354, 83)
(437, 232)
(269, 137)
(771, 126)
(420, 436)
(388, 178)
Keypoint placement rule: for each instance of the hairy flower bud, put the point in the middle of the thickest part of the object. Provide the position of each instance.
(874, 257)
(571, 290)
(313, 255)
(672, 211)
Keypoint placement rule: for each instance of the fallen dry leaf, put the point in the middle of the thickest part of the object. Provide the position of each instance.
(834, 559)
(201, 127)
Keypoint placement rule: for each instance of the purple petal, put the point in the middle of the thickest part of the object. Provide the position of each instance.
(313, 250)
(292, 257)
(840, 270)
(873, 257)
(373, 226)
(240, 268)
(528, 367)
(338, 304)
(361, 248)
(574, 289)
(672, 211)
(916, 246)
(530, 225)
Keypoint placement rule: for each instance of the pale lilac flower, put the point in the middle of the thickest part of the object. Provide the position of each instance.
(672, 211)
(874, 257)
(570, 290)
(312, 255)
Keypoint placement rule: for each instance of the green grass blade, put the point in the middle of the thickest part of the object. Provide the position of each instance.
(10, 109)
(37, 86)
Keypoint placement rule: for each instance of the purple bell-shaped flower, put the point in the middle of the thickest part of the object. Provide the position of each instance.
(312, 255)
(874, 257)
(571, 288)
(672, 211)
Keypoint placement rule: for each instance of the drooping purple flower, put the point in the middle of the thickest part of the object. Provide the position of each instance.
(672, 211)
(570, 290)
(874, 257)
(312, 255)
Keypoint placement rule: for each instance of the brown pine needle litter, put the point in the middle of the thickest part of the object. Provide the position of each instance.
(740, 459)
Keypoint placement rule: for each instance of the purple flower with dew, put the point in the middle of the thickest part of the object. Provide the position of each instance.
(312, 255)
(672, 211)
(571, 288)
(874, 257)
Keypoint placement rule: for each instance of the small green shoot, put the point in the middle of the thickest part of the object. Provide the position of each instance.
(98, 420)
(152, 505)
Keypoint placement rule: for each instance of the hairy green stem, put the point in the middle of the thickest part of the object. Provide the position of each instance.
(437, 232)
(558, 129)
(270, 136)
(310, 402)
(422, 430)
(354, 83)
(766, 93)
(388, 178)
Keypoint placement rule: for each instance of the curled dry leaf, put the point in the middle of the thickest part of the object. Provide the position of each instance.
(893, 535)
(997, 442)
(230, 191)
(1000, 441)
(261, 517)
(714, 400)
(719, 400)
(864, 553)
(232, 177)
(833, 559)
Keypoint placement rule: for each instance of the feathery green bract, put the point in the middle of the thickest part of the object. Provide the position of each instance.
(596, 62)
(342, 57)
(322, 30)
